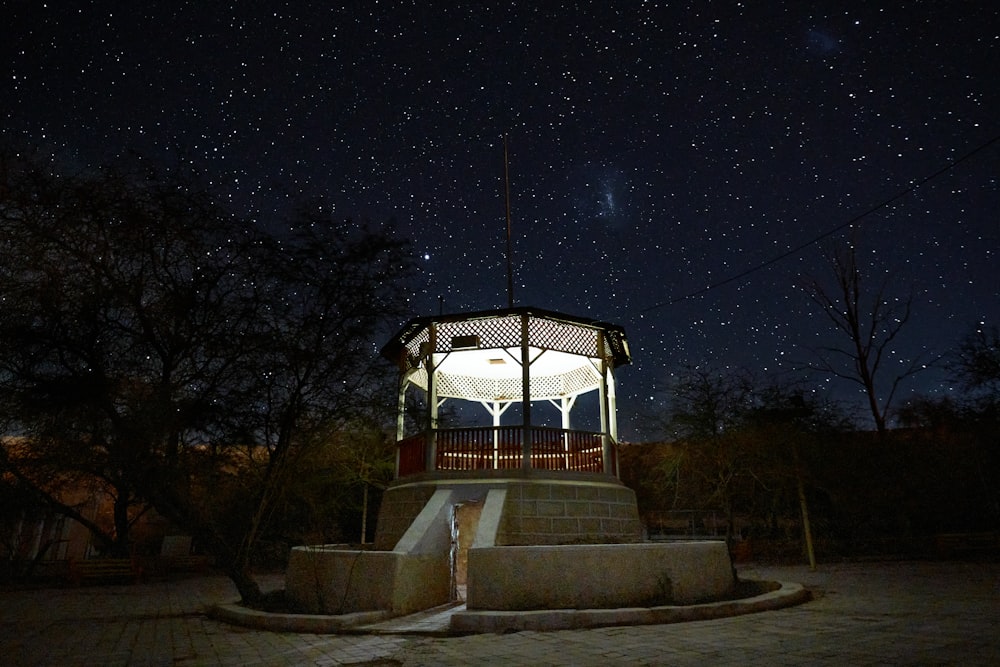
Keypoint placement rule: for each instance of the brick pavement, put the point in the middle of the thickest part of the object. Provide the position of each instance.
(907, 613)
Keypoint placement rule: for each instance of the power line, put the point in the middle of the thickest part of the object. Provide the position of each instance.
(802, 246)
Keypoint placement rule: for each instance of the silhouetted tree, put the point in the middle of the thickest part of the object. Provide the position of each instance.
(976, 367)
(740, 444)
(714, 462)
(113, 286)
(177, 355)
(789, 422)
(976, 363)
(307, 370)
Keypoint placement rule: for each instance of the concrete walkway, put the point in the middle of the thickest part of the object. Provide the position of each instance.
(909, 613)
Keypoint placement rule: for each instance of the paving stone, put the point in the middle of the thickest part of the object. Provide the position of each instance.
(865, 613)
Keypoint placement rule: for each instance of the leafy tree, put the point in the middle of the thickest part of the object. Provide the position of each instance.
(178, 356)
(307, 370)
(976, 367)
(349, 474)
(741, 444)
(958, 432)
(704, 415)
(976, 363)
(789, 422)
(951, 470)
(105, 284)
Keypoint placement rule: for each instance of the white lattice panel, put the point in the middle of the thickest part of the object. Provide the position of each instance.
(580, 380)
(509, 389)
(478, 389)
(493, 332)
(413, 350)
(500, 332)
(548, 338)
(562, 336)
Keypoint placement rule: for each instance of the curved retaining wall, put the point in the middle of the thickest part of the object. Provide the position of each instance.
(598, 576)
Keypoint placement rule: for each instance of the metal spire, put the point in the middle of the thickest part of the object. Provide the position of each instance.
(510, 261)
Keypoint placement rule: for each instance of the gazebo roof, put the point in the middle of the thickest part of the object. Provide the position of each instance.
(478, 354)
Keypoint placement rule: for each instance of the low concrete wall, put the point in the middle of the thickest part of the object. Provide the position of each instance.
(415, 575)
(332, 580)
(598, 576)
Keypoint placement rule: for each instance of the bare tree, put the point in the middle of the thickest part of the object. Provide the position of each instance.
(870, 325)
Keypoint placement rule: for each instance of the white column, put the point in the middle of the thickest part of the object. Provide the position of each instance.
(525, 395)
(432, 400)
(496, 410)
(612, 405)
(605, 412)
(566, 405)
(401, 416)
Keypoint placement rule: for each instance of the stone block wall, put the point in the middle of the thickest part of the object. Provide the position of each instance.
(568, 513)
(535, 511)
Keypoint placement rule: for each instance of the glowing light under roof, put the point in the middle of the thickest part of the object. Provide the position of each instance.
(477, 356)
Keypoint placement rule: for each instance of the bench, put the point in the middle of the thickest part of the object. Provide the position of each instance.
(191, 563)
(104, 570)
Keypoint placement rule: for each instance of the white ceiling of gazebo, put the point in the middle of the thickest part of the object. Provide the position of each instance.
(495, 374)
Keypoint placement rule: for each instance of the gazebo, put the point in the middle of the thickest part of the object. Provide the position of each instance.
(523, 515)
(496, 360)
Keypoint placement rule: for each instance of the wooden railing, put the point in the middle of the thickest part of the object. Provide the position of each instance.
(501, 448)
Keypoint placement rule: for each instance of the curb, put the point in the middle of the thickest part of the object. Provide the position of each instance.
(320, 624)
(479, 622)
(785, 595)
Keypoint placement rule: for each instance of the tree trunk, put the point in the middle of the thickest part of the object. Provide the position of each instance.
(364, 515)
(246, 585)
(806, 526)
(804, 508)
(234, 562)
(120, 545)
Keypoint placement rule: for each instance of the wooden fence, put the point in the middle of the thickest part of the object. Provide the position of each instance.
(501, 448)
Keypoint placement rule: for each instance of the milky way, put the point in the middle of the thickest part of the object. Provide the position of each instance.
(653, 151)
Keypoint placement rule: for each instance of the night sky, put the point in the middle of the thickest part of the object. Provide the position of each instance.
(654, 150)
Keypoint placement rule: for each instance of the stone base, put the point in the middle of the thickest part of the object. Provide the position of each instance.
(598, 576)
(538, 507)
(540, 542)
